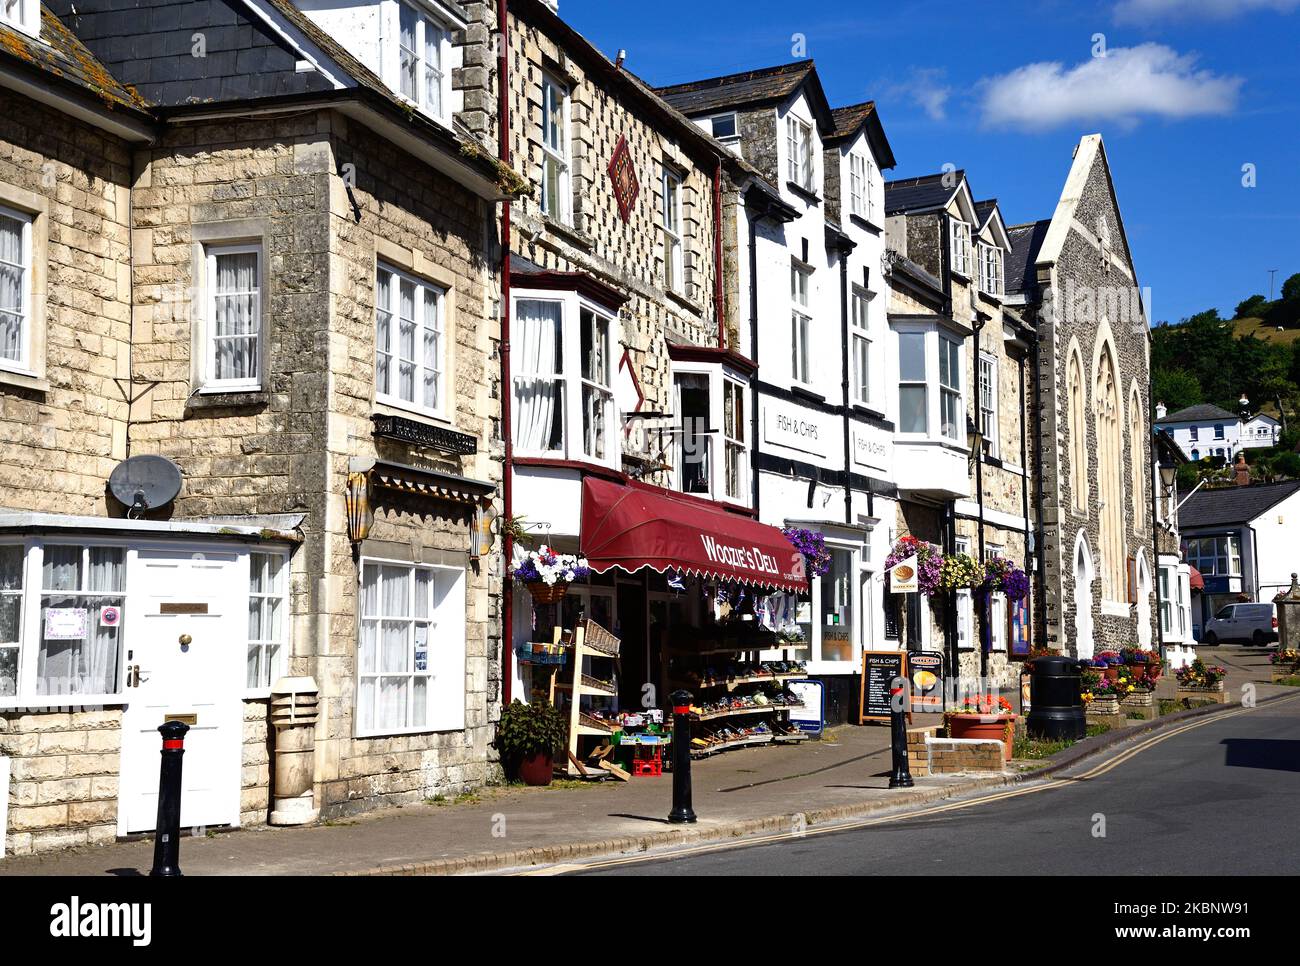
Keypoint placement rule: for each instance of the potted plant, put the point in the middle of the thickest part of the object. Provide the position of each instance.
(1112, 663)
(527, 738)
(1101, 697)
(982, 716)
(1199, 679)
(1002, 576)
(1285, 663)
(548, 574)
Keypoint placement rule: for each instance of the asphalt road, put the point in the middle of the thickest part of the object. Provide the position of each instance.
(1198, 802)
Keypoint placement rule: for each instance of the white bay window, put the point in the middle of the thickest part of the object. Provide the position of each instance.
(563, 376)
(930, 393)
(711, 440)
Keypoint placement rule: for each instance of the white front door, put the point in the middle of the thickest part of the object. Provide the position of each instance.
(187, 632)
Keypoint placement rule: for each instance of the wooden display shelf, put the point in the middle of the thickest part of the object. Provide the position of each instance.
(731, 712)
(759, 679)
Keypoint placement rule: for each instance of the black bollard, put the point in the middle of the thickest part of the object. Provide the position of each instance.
(901, 776)
(682, 811)
(167, 834)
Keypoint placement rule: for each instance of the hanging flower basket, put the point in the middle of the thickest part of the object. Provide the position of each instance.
(547, 574)
(1002, 576)
(812, 544)
(960, 571)
(929, 562)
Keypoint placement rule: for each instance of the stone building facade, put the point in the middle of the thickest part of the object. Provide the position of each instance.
(1074, 275)
(226, 293)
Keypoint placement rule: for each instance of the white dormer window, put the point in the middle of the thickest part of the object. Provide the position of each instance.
(799, 152)
(724, 128)
(961, 247)
(860, 185)
(990, 269)
(24, 15)
(423, 45)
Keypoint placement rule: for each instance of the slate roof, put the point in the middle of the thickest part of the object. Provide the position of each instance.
(1202, 413)
(1026, 240)
(915, 194)
(60, 53)
(750, 87)
(849, 120)
(1233, 504)
(984, 209)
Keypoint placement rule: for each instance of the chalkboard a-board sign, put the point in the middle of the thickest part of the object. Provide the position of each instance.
(879, 669)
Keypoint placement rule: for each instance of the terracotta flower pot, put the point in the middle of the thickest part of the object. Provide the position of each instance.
(987, 727)
(1112, 672)
(536, 769)
(1138, 671)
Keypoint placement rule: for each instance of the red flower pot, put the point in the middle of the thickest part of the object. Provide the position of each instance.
(536, 769)
(987, 727)
(1138, 671)
(1112, 672)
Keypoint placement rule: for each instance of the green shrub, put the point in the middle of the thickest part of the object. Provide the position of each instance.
(529, 729)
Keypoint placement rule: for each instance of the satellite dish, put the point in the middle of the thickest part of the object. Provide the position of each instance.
(145, 482)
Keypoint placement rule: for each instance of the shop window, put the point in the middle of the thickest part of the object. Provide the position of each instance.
(410, 342)
(79, 649)
(11, 617)
(15, 290)
(837, 607)
(267, 619)
(423, 45)
(556, 415)
(556, 197)
(234, 331)
(411, 655)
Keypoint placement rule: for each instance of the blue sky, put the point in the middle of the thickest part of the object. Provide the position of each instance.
(1189, 91)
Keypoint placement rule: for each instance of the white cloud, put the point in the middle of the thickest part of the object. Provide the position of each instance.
(1144, 11)
(923, 86)
(1129, 83)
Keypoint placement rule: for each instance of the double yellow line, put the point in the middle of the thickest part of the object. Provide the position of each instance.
(1099, 770)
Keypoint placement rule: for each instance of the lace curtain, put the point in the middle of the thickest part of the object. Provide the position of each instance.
(539, 407)
(88, 581)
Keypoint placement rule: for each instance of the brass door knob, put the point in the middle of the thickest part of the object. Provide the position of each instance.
(185, 639)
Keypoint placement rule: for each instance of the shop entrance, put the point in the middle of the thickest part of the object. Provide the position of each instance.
(186, 626)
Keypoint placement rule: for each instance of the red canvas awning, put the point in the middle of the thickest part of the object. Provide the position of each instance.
(1197, 582)
(631, 527)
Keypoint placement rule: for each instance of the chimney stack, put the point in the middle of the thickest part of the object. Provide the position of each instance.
(1241, 470)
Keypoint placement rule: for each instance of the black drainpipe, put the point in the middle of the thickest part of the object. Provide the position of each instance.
(1155, 549)
(844, 362)
(979, 503)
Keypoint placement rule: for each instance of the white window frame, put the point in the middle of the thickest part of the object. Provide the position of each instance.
(860, 344)
(961, 243)
(988, 400)
(990, 269)
(269, 670)
(800, 166)
(674, 249)
(23, 15)
(208, 379)
(445, 637)
(30, 617)
(730, 140)
(935, 340)
(860, 185)
(23, 364)
(570, 378)
(558, 153)
(422, 329)
(19, 593)
(1205, 552)
(602, 423)
(425, 21)
(1219, 432)
(997, 622)
(717, 441)
(801, 371)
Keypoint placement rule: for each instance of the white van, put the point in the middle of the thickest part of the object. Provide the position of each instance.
(1248, 623)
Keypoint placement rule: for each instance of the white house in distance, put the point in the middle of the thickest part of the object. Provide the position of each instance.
(1207, 430)
(1242, 540)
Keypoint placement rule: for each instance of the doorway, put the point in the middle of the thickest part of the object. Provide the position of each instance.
(185, 659)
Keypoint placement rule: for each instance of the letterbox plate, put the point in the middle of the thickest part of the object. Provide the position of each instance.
(188, 718)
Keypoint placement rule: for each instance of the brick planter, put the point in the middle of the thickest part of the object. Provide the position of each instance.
(1276, 674)
(1140, 701)
(1214, 695)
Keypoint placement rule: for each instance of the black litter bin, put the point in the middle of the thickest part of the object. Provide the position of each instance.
(1055, 699)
